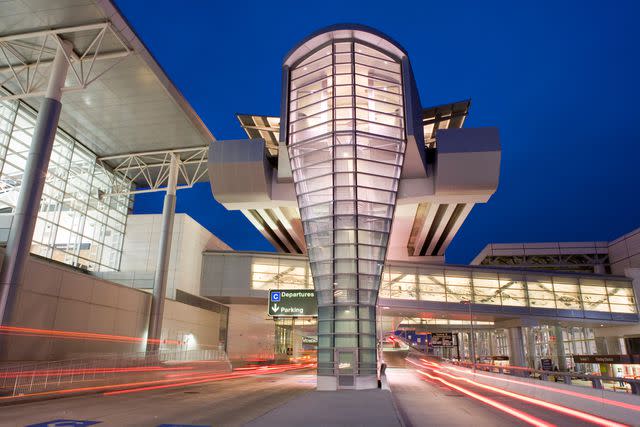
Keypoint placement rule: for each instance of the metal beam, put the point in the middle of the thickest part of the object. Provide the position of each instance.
(456, 226)
(25, 73)
(441, 226)
(151, 169)
(432, 208)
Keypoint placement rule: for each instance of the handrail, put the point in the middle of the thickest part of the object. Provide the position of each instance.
(103, 369)
(567, 377)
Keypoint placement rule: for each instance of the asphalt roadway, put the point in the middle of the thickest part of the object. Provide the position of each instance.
(259, 399)
(222, 403)
(425, 400)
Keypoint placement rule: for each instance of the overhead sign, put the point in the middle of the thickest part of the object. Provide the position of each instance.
(608, 358)
(293, 303)
(442, 339)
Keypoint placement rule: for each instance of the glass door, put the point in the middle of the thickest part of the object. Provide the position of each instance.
(347, 368)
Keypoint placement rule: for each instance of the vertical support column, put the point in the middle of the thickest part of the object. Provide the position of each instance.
(516, 347)
(562, 357)
(164, 254)
(35, 172)
(531, 348)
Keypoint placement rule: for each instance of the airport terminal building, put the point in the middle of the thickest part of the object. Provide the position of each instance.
(358, 185)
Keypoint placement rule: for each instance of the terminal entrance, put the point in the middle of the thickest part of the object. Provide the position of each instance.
(347, 368)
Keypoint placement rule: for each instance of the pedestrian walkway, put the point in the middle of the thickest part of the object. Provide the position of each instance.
(369, 408)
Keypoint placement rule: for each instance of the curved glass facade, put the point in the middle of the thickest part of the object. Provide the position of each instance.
(346, 142)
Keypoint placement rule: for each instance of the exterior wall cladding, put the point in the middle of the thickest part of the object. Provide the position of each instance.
(346, 137)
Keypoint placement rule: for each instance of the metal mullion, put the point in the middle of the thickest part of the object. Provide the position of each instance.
(310, 105)
(380, 112)
(391, 61)
(333, 216)
(355, 202)
(378, 101)
(314, 105)
(309, 84)
(302, 97)
(383, 137)
(380, 124)
(373, 67)
(378, 79)
(381, 91)
(310, 127)
(374, 48)
(299, 64)
(293, 79)
(328, 109)
(306, 142)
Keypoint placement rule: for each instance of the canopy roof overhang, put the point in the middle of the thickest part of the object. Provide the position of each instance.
(117, 99)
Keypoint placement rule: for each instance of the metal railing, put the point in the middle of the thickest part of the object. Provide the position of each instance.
(629, 385)
(94, 372)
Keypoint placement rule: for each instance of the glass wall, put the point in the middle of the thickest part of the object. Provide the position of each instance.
(507, 288)
(451, 284)
(346, 145)
(78, 224)
(280, 273)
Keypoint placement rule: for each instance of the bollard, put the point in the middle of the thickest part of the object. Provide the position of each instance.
(597, 383)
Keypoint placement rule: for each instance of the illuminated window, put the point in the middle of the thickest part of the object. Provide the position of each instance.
(79, 222)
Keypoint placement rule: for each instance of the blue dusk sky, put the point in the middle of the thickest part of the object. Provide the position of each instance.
(559, 79)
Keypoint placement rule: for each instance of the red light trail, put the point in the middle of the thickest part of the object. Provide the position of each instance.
(15, 330)
(170, 382)
(500, 406)
(548, 405)
(583, 416)
(80, 371)
(556, 390)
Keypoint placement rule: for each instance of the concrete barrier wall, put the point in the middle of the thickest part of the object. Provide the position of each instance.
(552, 392)
(251, 331)
(197, 327)
(56, 297)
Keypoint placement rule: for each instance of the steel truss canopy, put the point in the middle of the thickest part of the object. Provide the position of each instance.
(117, 99)
(151, 170)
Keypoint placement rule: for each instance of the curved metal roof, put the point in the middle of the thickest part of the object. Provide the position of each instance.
(338, 31)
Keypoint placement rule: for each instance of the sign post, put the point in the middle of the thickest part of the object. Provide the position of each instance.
(292, 303)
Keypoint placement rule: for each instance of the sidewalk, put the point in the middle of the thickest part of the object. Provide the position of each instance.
(369, 408)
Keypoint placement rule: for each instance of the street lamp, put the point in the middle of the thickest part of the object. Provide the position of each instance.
(473, 337)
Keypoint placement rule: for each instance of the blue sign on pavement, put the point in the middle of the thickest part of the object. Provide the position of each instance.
(275, 296)
(65, 423)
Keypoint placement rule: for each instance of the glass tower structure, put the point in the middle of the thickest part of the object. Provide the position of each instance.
(345, 134)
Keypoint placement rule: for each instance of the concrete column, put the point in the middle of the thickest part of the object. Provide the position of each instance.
(516, 347)
(613, 345)
(26, 212)
(562, 357)
(531, 348)
(164, 254)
